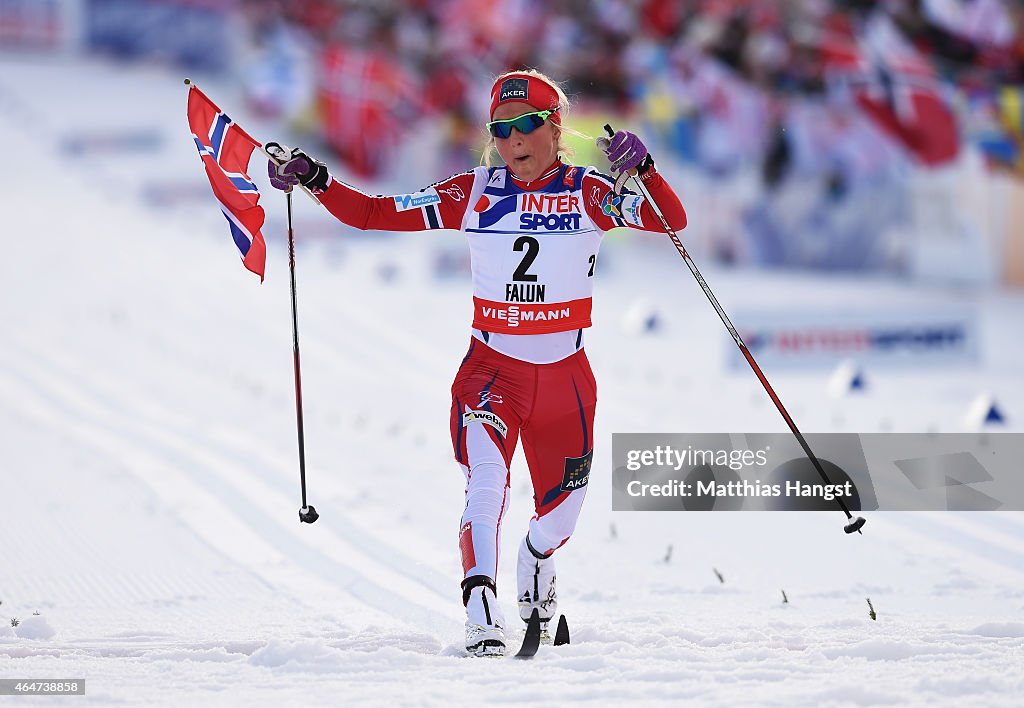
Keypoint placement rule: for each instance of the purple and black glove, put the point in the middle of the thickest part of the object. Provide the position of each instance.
(625, 150)
(292, 168)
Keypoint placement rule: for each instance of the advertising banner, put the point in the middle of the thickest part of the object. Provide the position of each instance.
(946, 335)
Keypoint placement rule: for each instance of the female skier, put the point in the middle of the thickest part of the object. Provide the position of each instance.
(534, 227)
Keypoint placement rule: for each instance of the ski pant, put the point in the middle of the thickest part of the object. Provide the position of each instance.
(495, 399)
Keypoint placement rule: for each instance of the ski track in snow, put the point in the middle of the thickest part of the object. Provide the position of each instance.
(149, 491)
(234, 492)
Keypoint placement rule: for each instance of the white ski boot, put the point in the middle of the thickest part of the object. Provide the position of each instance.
(535, 580)
(485, 623)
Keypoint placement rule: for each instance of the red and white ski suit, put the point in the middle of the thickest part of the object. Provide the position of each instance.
(534, 248)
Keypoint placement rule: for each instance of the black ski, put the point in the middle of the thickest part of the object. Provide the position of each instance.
(531, 642)
(562, 633)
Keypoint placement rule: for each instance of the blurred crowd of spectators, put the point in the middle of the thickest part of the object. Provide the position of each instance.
(842, 94)
(400, 60)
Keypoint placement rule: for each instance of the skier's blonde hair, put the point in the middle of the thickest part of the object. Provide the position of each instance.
(490, 150)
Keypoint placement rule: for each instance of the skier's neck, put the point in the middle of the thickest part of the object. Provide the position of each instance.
(538, 182)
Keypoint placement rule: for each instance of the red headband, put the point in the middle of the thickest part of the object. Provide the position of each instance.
(525, 88)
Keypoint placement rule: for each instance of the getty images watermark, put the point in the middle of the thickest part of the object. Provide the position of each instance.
(769, 471)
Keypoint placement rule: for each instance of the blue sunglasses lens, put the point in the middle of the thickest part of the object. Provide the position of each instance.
(525, 124)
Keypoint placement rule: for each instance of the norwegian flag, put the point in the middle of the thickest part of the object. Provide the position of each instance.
(225, 150)
(898, 89)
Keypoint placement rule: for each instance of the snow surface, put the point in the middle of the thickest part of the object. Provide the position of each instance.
(149, 486)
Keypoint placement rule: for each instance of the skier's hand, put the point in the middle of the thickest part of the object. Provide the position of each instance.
(294, 167)
(625, 150)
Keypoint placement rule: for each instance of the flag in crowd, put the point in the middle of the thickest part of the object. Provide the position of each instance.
(366, 99)
(898, 89)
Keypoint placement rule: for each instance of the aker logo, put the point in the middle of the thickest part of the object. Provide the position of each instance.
(577, 472)
(405, 202)
(570, 176)
(514, 90)
(610, 205)
(485, 417)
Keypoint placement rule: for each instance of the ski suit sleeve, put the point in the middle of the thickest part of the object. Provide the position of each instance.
(629, 209)
(439, 206)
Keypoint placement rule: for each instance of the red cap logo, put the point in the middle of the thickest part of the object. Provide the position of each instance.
(524, 88)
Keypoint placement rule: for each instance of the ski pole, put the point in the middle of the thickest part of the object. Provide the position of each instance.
(855, 524)
(307, 514)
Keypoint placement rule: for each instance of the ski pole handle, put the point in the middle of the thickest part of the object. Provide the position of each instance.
(280, 154)
(603, 144)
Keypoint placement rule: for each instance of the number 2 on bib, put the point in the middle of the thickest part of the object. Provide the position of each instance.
(532, 247)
